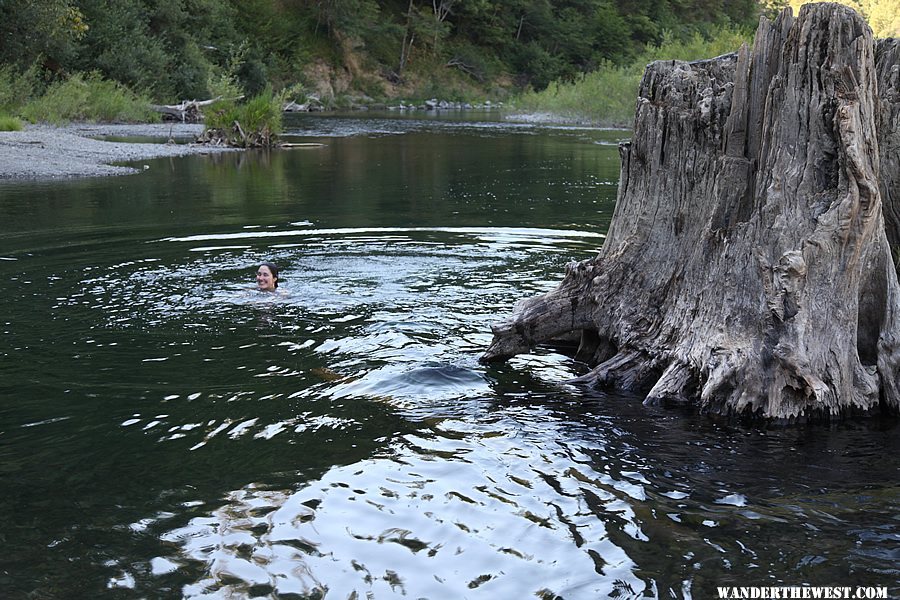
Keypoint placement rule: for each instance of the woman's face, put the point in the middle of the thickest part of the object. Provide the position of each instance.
(265, 282)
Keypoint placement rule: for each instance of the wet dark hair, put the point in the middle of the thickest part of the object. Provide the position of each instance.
(273, 269)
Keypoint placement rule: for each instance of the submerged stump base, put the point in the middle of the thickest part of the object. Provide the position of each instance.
(747, 269)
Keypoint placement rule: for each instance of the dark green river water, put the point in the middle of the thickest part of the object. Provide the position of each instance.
(167, 432)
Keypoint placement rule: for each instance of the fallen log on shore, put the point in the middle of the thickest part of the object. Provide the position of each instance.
(188, 111)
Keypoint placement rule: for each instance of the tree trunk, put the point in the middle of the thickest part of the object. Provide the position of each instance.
(747, 268)
(408, 38)
(441, 10)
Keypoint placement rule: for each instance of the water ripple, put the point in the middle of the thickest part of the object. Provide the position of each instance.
(424, 520)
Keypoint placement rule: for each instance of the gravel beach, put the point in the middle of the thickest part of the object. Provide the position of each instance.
(46, 152)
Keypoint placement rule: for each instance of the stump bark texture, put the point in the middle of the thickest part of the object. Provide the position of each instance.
(747, 268)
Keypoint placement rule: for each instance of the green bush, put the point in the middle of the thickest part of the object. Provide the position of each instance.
(10, 123)
(473, 62)
(607, 96)
(16, 89)
(370, 86)
(256, 122)
(718, 41)
(89, 98)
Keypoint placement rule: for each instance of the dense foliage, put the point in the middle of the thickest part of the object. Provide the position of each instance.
(171, 48)
(586, 54)
(87, 98)
(607, 94)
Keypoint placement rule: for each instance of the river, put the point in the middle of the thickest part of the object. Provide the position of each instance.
(167, 432)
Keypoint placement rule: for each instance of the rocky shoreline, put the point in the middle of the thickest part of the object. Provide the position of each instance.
(46, 152)
(314, 104)
(41, 152)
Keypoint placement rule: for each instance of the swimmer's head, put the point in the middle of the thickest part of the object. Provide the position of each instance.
(267, 277)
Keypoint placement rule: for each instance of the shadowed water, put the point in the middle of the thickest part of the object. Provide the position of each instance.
(166, 431)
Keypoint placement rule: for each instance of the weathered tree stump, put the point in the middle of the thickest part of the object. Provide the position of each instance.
(887, 63)
(747, 268)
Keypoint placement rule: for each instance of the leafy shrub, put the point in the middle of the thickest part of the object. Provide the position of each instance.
(190, 73)
(294, 93)
(256, 122)
(10, 123)
(608, 95)
(718, 41)
(541, 65)
(88, 98)
(474, 62)
(16, 89)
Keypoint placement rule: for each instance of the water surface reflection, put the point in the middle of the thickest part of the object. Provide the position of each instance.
(167, 431)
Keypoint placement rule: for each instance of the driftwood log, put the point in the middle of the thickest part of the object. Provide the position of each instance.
(312, 104)
(747, 269)
(188, 111)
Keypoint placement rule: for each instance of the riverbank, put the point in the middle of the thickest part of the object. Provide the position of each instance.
(47, 152)
(80, 150)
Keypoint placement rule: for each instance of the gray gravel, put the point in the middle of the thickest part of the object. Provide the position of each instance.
(45, 152)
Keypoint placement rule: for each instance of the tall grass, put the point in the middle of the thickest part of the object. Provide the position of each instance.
(607, 96)
(8, 123)
(88, 97)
